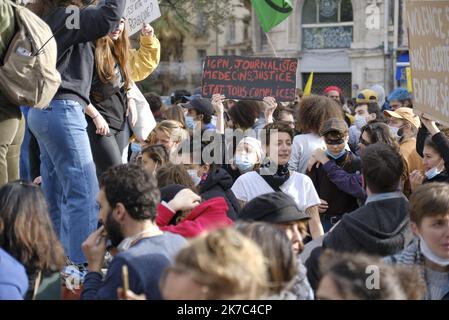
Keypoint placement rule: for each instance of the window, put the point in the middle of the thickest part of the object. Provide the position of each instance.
(327, 24)
(202, 53)
(201, 23)
(231, 31)
(263, 38)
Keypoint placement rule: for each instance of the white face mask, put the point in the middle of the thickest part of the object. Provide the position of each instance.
(425, 250)
(433, 172)
(194, 175)
(360, 121)
(394, 131)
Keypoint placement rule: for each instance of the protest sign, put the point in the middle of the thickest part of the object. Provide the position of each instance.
(428, 27)
(250, 78)
(138, 12)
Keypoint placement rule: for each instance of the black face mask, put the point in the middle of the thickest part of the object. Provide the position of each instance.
(113, 229)
(279, 178)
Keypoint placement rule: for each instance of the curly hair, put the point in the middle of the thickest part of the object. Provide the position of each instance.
(244, 113)
(314, 110)
(26, 231)
(135, 188)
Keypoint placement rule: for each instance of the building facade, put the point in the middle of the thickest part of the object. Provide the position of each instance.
(353, 44)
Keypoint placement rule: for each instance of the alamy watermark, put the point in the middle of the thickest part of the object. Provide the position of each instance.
(219, 148)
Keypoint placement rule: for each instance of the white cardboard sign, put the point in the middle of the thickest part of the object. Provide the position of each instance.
(138, 12)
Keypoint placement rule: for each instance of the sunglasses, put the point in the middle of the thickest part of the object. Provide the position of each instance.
(334, 142)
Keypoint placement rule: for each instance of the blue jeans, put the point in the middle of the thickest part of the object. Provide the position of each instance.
(328, 221)
(68, 173)
(24, 157)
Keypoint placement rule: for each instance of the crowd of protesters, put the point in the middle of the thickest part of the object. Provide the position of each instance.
(225, 199)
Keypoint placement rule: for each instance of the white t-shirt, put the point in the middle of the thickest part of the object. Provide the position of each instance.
(303, 147)
(299, 186)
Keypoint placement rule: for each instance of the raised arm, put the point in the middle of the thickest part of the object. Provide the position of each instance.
(145, 60)
(439, 138)
(94, 22)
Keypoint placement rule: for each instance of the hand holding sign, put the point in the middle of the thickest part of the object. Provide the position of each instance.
(147, 30)
(138, 12)
(270, 105)
(217, 103)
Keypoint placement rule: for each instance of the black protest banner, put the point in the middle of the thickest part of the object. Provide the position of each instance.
(249, 78)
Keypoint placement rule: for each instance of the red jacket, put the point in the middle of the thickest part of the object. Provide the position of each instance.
(210, 214)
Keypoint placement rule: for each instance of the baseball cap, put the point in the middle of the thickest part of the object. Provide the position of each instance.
(367, 96)
(334, 125)
(405, 114)
(203, 106)
(274, 207)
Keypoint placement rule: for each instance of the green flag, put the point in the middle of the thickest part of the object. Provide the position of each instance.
(272, 12)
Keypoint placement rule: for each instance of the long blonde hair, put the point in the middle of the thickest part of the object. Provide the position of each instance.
(108, 52)
(174, 129)
(226, 263)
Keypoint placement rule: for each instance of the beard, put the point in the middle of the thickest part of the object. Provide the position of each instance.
(113, 229)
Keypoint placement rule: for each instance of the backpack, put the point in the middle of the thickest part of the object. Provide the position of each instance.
(29, 76)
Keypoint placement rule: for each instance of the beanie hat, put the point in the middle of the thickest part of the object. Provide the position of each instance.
(399, 94)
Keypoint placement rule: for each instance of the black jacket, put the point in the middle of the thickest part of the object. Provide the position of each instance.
(218, 184)
(378, 228)
(442, 143)
(75, 49)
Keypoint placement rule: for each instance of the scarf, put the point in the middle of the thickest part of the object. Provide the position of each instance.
(278, 179)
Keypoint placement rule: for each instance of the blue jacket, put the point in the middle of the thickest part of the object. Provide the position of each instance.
(146, 261)
(13, 278)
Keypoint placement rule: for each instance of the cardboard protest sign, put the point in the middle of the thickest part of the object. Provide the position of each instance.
(250, 77)
(428, 27)
(138, 12)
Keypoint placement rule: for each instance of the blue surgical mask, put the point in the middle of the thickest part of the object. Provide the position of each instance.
(432, 173)
(190, 123)
(136, 147)
(213, 121)
(243, 164)
(194, 175)
(341, 154)
(360, 121)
